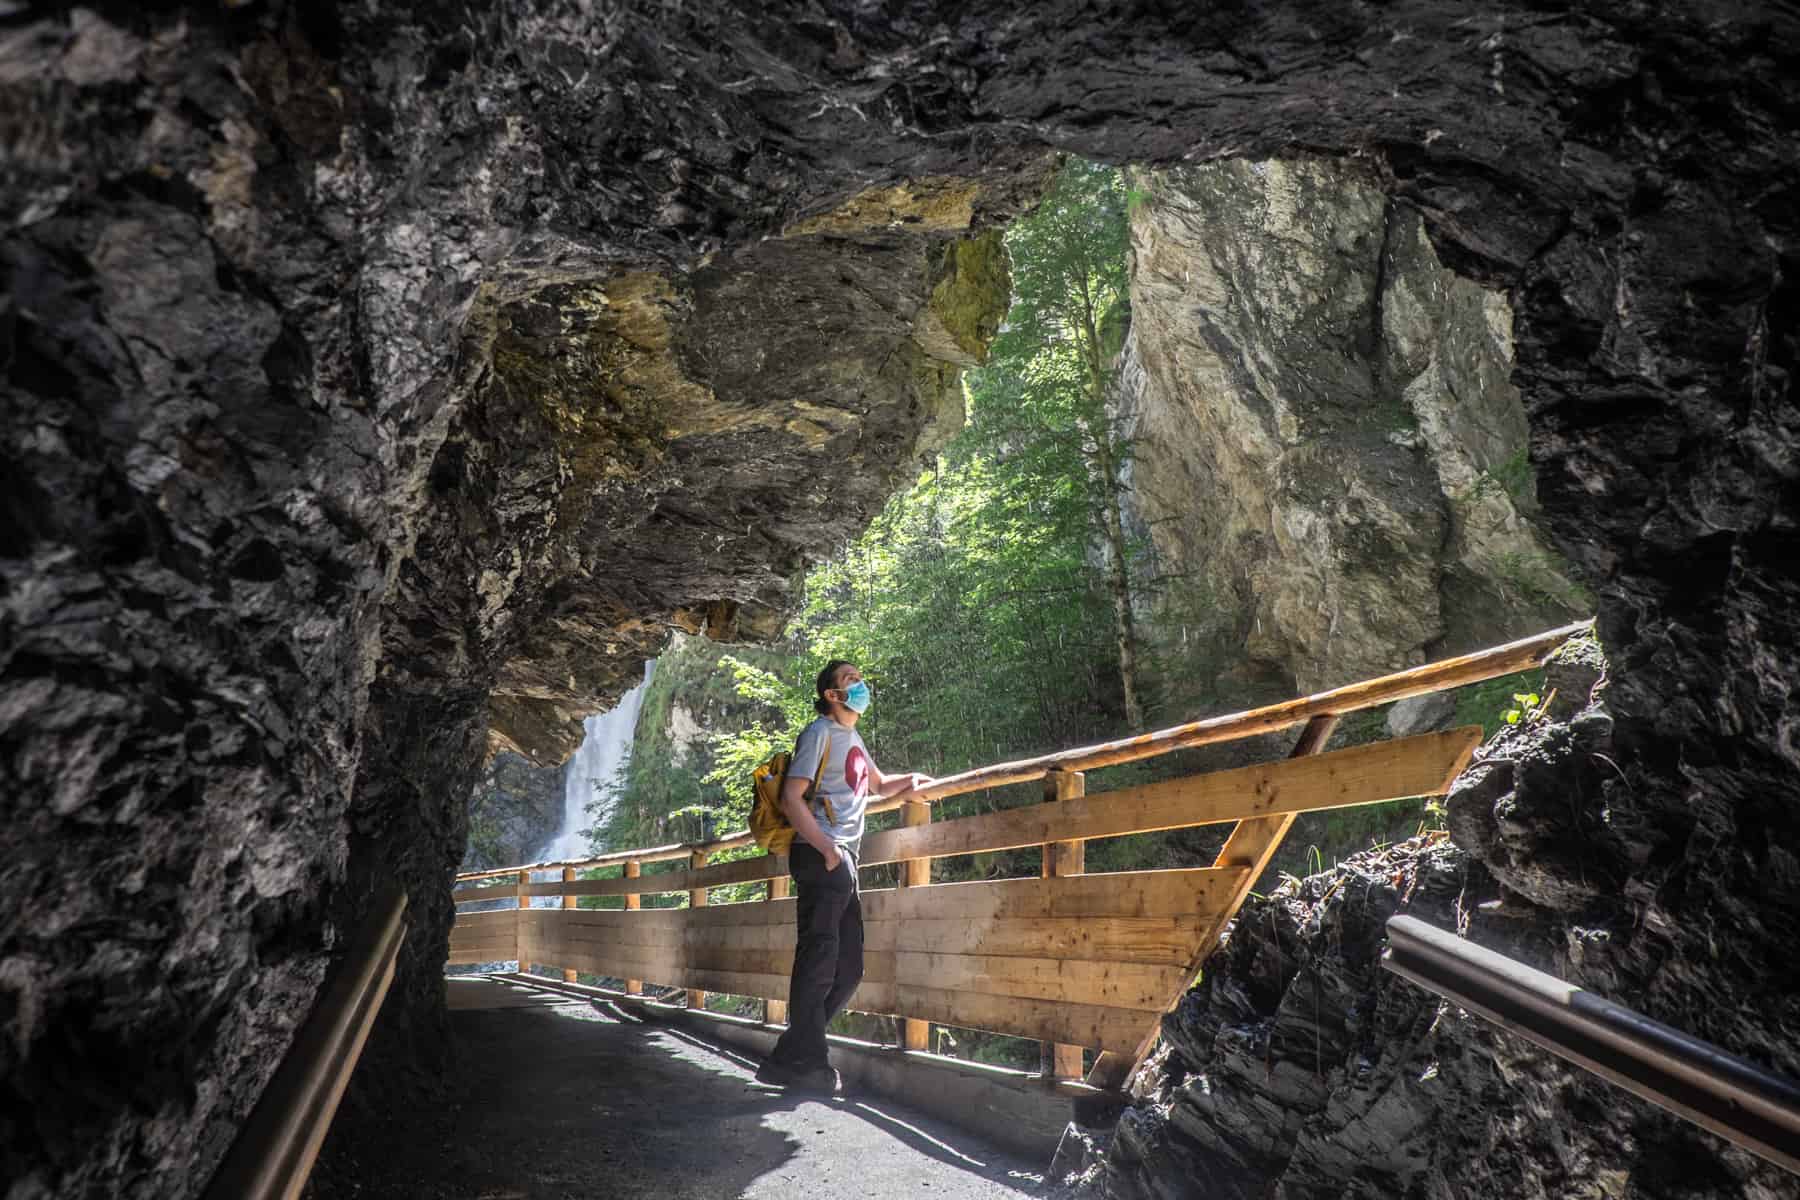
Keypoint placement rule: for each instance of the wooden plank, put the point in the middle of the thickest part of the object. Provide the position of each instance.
(1177, 893)
(775, 1011)
(691, 978)
(1163, 941)
(633, 869)
(720, 916)
(570, 974)
(1069, 1021)
(1110, 985)
(875, 996)
(743, 870)
(484, 938)
(507, 941)
(627, 959)
(696, 997)
(755, 937)
(491, 950)
(914, 1034)
(1416, 681)
(1044, 1020)
(1068, 857)
(1249, 848)
(1415, 766)
(503, 918)
(472, 895)
(1160, 940)
(1061, 860)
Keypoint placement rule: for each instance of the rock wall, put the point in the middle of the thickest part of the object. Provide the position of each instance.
(515, 810)
(1330, 457)
(1298, 1067)
(381, 378)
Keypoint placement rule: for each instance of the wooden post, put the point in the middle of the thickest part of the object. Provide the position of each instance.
(696, 998)
(633, 869)
(775, 1011)
(570, 975)
(1063, 858)
(915, 872)
(519, 923)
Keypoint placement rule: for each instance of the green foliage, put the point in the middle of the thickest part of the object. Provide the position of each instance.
(974, 604)
(1530, 708)
(1515, 477)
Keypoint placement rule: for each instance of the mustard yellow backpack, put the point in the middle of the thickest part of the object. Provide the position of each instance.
(768, 823)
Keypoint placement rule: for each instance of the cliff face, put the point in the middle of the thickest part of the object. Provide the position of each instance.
(515, 810)
(1330, 457)
(382, 379)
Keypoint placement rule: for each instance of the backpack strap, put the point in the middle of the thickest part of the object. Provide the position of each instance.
(819, 778)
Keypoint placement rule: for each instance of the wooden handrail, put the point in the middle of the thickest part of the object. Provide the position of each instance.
(274, 1152)
(1401, 685)
(1422, 765)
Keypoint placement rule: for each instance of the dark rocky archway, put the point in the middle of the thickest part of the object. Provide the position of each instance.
(380, 373)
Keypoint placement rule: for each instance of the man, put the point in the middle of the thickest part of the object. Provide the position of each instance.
(828, 951)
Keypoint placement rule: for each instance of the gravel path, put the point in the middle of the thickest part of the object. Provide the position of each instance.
(558, 1098)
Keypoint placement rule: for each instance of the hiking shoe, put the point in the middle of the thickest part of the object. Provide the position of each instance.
(820, 1080)
(776, 1074)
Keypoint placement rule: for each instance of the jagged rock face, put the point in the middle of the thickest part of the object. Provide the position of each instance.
(643, 454)
(515, 810)
(1298, 1067)
(279, 490)
(1327, 438)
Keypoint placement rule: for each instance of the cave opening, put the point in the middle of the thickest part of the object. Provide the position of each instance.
(603, 328)
(1249, 379)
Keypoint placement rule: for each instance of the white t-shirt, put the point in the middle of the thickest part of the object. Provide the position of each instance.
(845, 780)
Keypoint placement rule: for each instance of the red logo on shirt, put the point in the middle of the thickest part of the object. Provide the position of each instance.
(856, 772)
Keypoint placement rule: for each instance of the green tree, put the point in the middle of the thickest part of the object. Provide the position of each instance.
(1044, 393)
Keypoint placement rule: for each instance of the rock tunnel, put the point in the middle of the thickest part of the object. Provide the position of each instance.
(384, 381)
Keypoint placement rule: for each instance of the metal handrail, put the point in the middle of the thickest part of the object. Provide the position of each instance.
(1694, 1079)
(1417, 681)
(275, 1150)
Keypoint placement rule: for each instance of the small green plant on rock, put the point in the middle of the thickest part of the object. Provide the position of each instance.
(1529, 708)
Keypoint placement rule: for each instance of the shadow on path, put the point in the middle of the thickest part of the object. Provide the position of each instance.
(555, 1098)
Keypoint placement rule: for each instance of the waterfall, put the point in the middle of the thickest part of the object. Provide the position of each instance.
(603, 751)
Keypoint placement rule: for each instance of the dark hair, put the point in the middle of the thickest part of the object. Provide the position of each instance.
(826, 681)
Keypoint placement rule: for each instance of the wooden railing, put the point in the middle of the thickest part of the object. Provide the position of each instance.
(275, 1149)
(1073, 960)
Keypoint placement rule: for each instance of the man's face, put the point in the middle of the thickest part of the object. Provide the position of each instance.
(846, 675)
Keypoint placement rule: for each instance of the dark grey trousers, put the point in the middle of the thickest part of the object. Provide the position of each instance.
(828, 953)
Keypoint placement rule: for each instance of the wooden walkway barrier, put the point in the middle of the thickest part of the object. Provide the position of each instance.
(1075, 961)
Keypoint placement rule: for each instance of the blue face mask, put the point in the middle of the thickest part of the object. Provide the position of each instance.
(857, 697)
